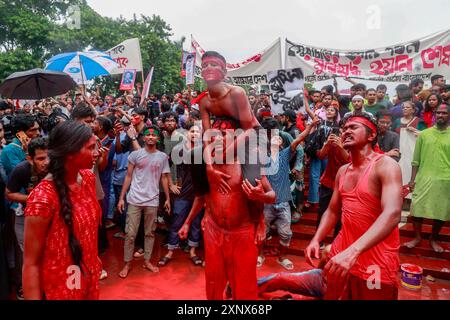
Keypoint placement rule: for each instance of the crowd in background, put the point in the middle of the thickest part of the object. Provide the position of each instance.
(120, 124)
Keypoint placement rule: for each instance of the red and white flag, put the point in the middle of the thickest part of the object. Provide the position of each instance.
(146, 88)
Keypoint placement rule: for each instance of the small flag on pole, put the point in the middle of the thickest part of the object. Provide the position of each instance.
(146, 88)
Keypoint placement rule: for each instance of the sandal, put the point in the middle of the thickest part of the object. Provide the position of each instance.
(196, 261)
(286, 263)
(296, 217)
(164, 261)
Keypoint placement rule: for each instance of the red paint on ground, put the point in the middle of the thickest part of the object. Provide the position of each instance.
(181, 280)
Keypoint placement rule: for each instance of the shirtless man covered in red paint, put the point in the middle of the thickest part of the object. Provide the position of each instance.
(368, 200)
(234, 220)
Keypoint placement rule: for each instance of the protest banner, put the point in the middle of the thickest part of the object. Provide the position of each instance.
(420, 58)
(128, 55)
(146, 87)
(188, 67)
(128, 79)
(286, 90)
(252, 71)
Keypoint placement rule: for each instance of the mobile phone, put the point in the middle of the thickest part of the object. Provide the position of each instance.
(335, 131)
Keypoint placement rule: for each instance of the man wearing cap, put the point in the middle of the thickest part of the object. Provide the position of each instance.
(367, 199)
(358, 106)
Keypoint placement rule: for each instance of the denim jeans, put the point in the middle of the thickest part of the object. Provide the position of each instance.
(123, 216)
(315, 171)
(280, 214)
(181, 210)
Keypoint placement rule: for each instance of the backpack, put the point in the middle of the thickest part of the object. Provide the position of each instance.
(311, 145)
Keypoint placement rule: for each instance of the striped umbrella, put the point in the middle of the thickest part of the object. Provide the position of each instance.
(82, 66)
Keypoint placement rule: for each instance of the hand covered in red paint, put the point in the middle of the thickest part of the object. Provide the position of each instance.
(338, 267)
(312, 251)
(219, 180)
(253, 193)
(260, 234)
(183, 232)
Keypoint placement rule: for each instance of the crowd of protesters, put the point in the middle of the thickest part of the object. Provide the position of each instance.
(139, 188)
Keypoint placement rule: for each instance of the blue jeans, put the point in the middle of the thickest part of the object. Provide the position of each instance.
(181, 210)
(280, 214)
(309, 283)
(123, 216)
(316, 169)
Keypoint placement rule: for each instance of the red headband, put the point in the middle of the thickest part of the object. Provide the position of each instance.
(365, 122)
(265, 114)
(215, 60)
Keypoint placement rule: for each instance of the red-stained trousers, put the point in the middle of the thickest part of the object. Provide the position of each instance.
(230, 256)
(358, 289)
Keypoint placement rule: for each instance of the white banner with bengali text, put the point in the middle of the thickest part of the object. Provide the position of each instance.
(403, 62)
(286, 90)
(252, 71)
(127, 54)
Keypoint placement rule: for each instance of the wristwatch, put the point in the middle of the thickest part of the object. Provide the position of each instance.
(134, 138)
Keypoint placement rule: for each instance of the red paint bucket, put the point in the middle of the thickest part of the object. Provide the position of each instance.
(411, 276)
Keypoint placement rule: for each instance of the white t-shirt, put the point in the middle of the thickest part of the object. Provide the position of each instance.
(148, 168)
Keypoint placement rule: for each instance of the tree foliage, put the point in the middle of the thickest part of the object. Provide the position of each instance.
(32, 31)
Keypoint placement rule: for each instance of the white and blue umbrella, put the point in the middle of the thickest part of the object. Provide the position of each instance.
(82, 66)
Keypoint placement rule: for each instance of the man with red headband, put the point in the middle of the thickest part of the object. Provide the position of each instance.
(228, 105)
(237, 189)
(367, 198)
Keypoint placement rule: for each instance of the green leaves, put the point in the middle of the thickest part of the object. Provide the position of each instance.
(31, 31)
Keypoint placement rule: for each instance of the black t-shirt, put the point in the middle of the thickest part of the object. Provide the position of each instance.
(198, 175)
(127, 143)
(21, 178)
(185, 175)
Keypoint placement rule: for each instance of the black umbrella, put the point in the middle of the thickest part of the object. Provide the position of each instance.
(36, 84)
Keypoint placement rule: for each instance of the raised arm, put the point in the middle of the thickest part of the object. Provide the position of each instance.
(302, 136)
(306, 103)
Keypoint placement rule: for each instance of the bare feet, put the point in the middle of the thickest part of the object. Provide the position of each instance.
(124, 272)
(436, 247)
(147, 265)
(411, 244)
